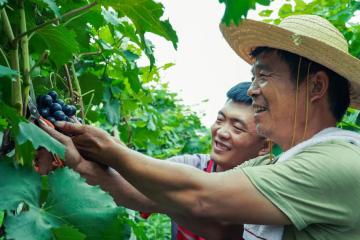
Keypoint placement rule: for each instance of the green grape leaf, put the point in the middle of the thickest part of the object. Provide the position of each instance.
(145, 14)
(37, 136)
(27, 152)
(70, 202)
(51, 4)
(17, 185)
(236, 10)
(8, 72)
(111, 107)
(67, 233)
(59, 40)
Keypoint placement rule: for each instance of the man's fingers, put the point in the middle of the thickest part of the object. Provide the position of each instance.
(70, 128)
(52, 132)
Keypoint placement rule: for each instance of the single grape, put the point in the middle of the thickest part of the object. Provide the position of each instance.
(67, 109)
(59, 115)
(67, 119)
(46, 101)
(73, 110)
(45, 112)
(53, 95)
(51, 119)
(55, 107)
(80, 120)
(61, 102)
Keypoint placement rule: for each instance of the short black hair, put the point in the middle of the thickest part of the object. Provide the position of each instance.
(338, 92)
(238, 93)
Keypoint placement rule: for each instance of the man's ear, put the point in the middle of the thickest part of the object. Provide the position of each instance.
(319, 83)
(265, 148)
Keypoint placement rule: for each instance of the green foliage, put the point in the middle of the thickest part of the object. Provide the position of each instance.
(157, 226)
(59, 40)
(236, 10)
(146, 14)
(89, 55)
(29, 218)
(7, 72)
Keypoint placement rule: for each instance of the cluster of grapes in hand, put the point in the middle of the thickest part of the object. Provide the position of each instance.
(54, 109)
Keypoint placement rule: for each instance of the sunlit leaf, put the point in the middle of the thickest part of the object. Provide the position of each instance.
(37, 137)
(236, 10)
(146, 15)
(59, 40)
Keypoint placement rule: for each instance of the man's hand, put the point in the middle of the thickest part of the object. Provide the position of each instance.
(91, 142)
(72, 156)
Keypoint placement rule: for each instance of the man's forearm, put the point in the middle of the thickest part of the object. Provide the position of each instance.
(121, 190)
(176, 187)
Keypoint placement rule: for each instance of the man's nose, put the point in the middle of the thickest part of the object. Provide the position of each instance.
(253, 89)
(223, 132)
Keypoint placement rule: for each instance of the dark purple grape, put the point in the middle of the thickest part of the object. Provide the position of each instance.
(80, 120)
(69, 110)
(67, 119)
(73, 110)
(45, 101)
(53, 95)
(51, 119)
(59, 115)
(55, 107)
(45, 112)
(61, 102)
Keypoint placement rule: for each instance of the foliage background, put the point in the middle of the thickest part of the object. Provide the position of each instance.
(88, 52)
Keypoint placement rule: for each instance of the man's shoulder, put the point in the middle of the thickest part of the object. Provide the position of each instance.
(334, 149)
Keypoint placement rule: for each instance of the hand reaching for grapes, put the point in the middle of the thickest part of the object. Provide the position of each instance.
(72, 155)
(93, 143)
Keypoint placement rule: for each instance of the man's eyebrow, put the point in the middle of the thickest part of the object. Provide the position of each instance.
(261, 66)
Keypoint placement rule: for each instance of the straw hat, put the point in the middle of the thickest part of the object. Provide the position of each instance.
(309, 36)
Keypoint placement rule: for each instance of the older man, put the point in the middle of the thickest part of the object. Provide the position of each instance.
(304, 79)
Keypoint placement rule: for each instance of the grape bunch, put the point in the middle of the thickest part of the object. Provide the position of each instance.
(54, 109)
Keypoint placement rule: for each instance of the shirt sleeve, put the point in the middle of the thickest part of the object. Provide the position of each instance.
(196, 160)
(317, 186)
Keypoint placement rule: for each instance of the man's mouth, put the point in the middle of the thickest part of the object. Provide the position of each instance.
(219, 146)
(258, 108)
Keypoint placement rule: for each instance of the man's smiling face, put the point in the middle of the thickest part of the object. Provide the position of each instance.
(234, 138)
(273, 93)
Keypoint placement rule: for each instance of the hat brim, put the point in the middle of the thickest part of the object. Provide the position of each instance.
(250, 34)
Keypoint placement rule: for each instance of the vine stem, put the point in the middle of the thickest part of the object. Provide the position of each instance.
(54, 20)
(78, 90)
(27, 84)
(69, 82)
(5, 58)
(16, 96)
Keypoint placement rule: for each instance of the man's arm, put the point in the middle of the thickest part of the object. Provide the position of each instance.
(227, 196)
(121, 190)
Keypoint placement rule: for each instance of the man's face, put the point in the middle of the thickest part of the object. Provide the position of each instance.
(234, 138)
(273, 95)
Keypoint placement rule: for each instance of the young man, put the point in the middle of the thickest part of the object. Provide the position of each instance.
(312, 190)
(234, 140)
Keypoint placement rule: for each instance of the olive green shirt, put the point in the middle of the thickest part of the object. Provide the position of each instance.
(318, 189)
